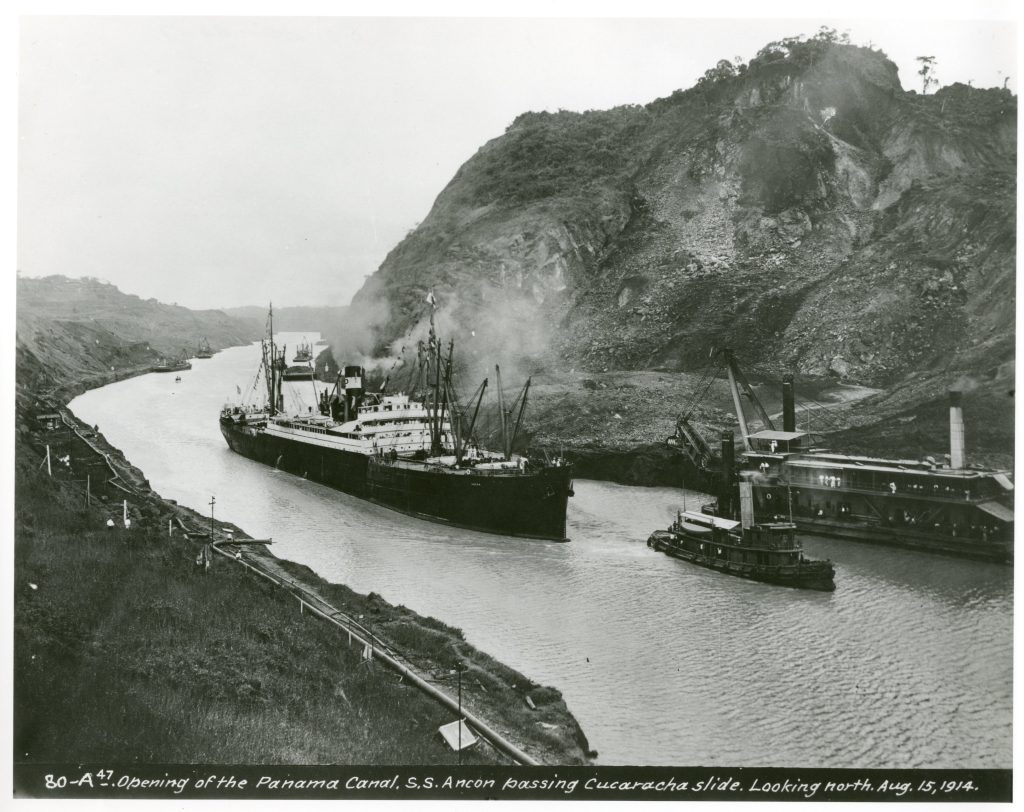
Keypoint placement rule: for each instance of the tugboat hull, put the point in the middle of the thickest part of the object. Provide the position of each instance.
(715, 554)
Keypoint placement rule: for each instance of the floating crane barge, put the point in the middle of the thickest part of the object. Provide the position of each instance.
(947, 508)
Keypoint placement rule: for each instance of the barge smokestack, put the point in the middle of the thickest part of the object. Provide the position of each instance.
(956, 429)
(746, 504)
(788, 404)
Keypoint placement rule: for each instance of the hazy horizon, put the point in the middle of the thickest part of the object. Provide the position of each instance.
(222, 162)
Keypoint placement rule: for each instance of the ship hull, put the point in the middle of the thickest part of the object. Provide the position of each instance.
(815, 575)
(927, 542)
(530, 505)
(179, 368)
(303, 374)
(865, 520)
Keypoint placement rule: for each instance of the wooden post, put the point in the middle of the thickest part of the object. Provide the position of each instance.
(88, 490)
(49, 470)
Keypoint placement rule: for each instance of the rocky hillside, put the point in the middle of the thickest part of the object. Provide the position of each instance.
(74, 329)
(804, 209)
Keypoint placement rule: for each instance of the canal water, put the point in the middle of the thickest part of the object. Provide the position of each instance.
(907, 664)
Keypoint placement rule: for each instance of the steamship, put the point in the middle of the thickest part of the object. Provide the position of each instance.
(945, 507)
(179, 364)
(416, 456)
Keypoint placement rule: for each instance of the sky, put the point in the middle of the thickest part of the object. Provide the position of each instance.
(216, 161)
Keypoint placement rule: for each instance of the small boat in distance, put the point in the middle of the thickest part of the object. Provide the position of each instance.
(204, 350)
(304, 353)
(769, 552)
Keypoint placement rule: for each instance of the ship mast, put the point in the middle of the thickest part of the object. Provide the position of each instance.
(472, 422)
(454, 407)
(435, 423)
(519, 418)
(501, 413)
(276, 399)
(273, 365)
(268, 360)
(446, 402)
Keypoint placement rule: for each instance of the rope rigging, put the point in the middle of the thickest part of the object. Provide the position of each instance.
(711, 368)
(802, 402)
(823, 411)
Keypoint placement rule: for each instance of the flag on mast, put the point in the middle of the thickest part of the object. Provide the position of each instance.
(430, 298)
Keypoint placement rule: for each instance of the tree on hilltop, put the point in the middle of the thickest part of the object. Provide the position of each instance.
(927, 73)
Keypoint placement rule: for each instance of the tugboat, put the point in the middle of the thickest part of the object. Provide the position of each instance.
(416, 455)
(769, 552)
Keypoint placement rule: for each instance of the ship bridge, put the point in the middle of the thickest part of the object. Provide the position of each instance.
(770, 441)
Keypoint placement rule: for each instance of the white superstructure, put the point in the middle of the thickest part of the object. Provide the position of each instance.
(396, 424)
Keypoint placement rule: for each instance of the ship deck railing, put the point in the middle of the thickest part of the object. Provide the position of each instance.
(792, 547)
(464, 470)
(934, 496)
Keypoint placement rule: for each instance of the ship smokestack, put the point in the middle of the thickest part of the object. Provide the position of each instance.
(746, 504)
(788, 404)
(956, 429)
(726, 497)
(353, 390)
(354, 380)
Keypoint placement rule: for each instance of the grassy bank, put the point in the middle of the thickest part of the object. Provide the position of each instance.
(124, 652)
